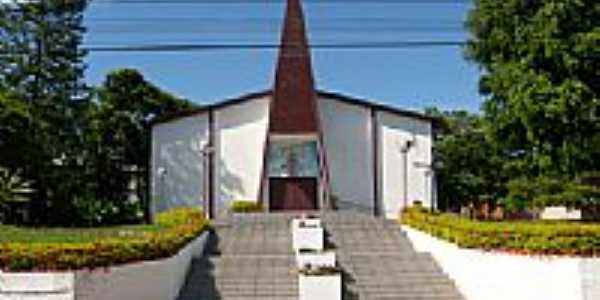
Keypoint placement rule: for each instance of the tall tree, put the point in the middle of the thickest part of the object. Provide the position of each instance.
(541, 61)
(117, 131)
(467, 167)
(42, 63)
(14, 116)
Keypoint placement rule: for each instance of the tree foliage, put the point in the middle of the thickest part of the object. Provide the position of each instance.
(42, 66)
(80, 147)
(14, 115)
(467, 167)
(541, 61)
(117, 132)
(539, 131)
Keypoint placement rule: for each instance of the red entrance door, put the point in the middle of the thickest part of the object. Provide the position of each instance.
(293, 194)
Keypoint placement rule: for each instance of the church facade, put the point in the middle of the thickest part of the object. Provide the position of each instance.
(293, 147)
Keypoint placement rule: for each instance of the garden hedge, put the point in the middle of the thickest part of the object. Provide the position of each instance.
(523, 237)
(177, 228)
(246, 207)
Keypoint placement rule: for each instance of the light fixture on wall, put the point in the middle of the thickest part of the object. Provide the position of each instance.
(408, 143)
(161, 171)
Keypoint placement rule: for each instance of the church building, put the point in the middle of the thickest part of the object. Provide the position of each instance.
(293, 147)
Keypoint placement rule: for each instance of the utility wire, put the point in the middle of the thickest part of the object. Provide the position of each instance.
(220, 47)
(315, 30)
(221, 25)
(278, 1)
(269, 19)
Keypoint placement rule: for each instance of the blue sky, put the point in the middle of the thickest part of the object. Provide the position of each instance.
(408, 78)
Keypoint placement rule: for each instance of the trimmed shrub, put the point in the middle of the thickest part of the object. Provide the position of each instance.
(530, 238)
(246, 207)
(177, 228)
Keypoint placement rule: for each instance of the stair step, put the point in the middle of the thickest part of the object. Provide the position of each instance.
(250, 257)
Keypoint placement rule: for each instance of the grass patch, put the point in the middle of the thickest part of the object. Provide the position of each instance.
(44, 249)
(15, 234)
(520, 237)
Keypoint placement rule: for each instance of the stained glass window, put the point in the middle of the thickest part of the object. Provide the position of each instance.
(293, 159)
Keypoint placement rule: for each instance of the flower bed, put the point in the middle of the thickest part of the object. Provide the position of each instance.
(535, 238)
(246, 207)
(173, 230)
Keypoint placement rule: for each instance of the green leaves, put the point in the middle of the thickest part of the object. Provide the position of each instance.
(529, 238)
(116, 130)
(541, 60)
(42, 69)
(12, 108)
(13, 189)
(466, 163)
(246, 207)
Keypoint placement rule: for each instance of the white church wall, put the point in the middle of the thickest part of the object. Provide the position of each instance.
(241, 131)
(347, 137)
(177, 163)
(394, 131)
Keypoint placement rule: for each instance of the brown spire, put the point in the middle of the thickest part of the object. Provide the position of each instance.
(294, 103)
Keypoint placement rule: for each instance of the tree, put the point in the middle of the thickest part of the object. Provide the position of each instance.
(467, 167)
(14, 115)
(127, 104)
(77, 150)
(42, 64)
(542, 82)
(117, 131)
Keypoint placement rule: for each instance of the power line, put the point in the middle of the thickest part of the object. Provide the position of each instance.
(267, 19)
(315, 30)
(193, 2)
(221, 47)
(253, 24)
(259, 25)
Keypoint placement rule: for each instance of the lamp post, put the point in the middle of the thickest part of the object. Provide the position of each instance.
(428, 172)
(404, 148)
(161, 172)
(206, 151)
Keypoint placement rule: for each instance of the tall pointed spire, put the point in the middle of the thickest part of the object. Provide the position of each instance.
(294, 102)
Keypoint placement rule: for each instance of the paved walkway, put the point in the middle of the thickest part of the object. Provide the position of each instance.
(250, 258)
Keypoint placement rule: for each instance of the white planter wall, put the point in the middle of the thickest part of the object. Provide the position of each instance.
(496, 276)
(307, 222)
(320, 287)
(312, 238)
(151, 280)
(560, 213)
(34, 286)
(315, 259)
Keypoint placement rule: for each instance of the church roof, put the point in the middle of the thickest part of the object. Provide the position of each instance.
(370, 104)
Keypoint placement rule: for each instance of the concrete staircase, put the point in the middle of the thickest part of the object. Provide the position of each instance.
(249, 257)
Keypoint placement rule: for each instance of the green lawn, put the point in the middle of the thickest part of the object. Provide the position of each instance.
(30, 249)
(14, 234)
